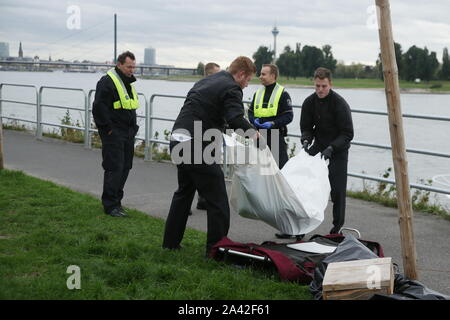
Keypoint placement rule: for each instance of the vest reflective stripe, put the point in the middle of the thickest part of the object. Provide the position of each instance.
(124, 101)
(272, 106)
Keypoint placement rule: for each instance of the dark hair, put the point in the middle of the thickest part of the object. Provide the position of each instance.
(322, 73)
(123, 56)
(209, 67)
(273, 69)
(242, 64)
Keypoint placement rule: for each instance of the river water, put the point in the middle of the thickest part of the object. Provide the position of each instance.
(419, 134)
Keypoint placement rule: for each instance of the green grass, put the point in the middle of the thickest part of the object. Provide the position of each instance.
(391, 201)
(44, 228)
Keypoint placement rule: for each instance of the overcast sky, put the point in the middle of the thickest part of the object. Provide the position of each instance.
(186, 32)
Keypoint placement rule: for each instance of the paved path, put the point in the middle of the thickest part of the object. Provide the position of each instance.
(150, 187)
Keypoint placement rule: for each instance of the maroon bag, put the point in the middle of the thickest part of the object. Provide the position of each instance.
(291, 264)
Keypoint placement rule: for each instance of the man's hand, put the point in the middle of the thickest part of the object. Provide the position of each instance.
(265, 125)
(326, 154)
(109, 132)
(256, 123)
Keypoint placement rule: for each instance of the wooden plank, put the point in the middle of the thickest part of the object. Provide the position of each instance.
(359, 278)
(390, 73)
(356, 294)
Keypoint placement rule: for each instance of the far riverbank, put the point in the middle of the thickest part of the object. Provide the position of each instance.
(435, 86)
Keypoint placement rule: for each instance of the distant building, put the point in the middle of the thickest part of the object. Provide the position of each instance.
(149, 56)
(4, 49)
(20, 51)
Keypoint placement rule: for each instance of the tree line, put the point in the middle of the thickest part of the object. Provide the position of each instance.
(415, 63)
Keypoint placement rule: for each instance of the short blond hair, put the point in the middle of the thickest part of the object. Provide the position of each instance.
(209, 68)
(242, 64)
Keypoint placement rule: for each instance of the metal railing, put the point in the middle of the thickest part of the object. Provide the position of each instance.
(149, 118)
(18, 102)
(40, 123)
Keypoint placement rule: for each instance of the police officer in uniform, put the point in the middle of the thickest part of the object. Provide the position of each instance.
(326, 122)
(271, 109)
(114, 111)
(213, 102)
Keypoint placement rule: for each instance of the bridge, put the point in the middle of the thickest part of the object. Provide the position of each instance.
(90, 67)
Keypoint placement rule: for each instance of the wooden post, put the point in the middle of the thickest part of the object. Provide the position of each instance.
(390, 73)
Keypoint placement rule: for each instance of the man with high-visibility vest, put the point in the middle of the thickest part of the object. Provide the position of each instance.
(114, 110)
(271, 109)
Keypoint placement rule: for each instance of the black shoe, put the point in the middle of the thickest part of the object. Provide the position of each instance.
(190, 213)
(115, 213)
(122, 211)
(289, 236)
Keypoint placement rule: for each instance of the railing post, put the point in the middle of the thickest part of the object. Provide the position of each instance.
(87, 122)
(147, 155)
(148, 129)
(39, 115)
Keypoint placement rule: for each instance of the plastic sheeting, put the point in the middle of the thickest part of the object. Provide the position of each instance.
(292, 200)
(407, 289)
(352, 249)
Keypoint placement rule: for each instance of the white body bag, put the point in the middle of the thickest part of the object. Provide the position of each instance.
(291, 200)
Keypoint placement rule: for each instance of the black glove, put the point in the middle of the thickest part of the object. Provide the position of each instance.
(305, 144)
(326, 154)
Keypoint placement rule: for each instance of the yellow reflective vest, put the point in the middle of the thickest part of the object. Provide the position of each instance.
(272, 106)
(124, 102)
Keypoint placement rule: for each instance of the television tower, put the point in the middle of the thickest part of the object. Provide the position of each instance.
(20, 50)
(275, 32)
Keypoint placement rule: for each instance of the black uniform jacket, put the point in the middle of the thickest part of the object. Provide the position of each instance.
(215, 100)
(284, 115)
(107, 118)
(328, 120)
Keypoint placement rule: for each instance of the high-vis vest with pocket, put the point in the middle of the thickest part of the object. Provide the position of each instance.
(272, 106)
(124, 102)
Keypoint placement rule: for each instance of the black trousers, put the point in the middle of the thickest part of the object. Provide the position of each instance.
(117, 154)
(282, 148)
(337, 174)
(209, 181)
